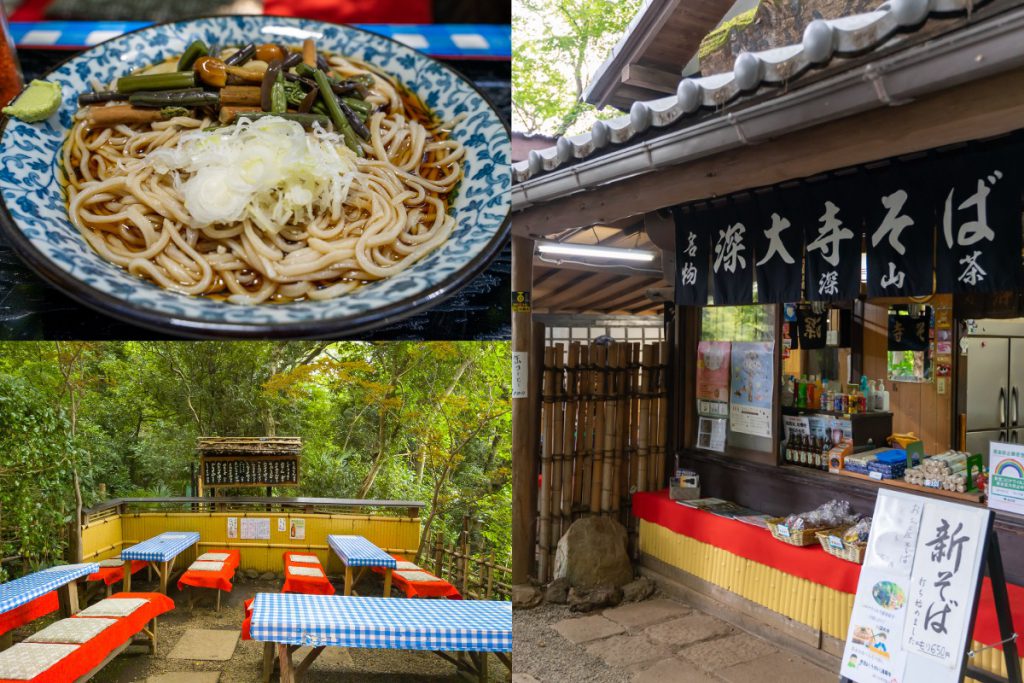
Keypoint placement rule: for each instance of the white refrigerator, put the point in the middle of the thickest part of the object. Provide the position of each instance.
(995, 381)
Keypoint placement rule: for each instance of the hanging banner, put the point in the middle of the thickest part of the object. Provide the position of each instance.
(778, 246)
(911, 619)
(691, 258)
(732, 256)
(832, 235)
(980, 222)
(751, 388)
(899, 221)
(907, 333)
(812, 328)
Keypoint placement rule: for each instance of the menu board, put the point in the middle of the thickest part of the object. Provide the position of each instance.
(751, 388)
(254, 471)
(256, 528)
(911, 616)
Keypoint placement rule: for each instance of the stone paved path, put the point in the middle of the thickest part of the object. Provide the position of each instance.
(659, 640)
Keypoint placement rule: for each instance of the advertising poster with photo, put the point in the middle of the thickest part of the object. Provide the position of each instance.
(751, 388)
(910, 619)
(713, 378)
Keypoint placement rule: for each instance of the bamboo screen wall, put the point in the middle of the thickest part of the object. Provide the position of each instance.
(103, 538)
(603, 425)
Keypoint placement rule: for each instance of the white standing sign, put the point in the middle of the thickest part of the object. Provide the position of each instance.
(1006, 481)
(915, 597)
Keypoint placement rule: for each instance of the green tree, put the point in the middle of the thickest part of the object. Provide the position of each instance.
(556, 45)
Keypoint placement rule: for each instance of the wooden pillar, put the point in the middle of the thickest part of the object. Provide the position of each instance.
(524, 485)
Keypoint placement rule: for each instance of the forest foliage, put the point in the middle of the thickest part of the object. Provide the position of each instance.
(82, 422)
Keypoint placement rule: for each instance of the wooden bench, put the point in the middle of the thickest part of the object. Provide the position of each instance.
(303, 573)
(32, 596)
(417, 582)
(76, 648)
(213, 570)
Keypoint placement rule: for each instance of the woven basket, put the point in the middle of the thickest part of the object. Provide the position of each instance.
(851, 552)
(801, 537)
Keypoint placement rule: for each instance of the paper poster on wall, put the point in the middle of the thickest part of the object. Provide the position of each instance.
(711, 434)
(793, 425)
(232, 527)
(1006, 483)
(520, 373)
(751, 388)
(256, 528)
(281, 523)
(713, 371)
(911, 614)
(297, 530)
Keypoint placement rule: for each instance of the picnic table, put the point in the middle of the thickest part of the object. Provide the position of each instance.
(470, 628)
(356, 551)
(30, 597)
(160, 551)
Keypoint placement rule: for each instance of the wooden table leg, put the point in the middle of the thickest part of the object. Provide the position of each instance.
(387, 582)
(152, 639)
(284, 657)
(482, 667)
(67, 597)
(126, 583)
(268, 661)
(348, 580)
(218, 600)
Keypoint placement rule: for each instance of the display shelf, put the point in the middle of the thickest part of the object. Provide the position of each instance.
(803, 412)
(970, 496)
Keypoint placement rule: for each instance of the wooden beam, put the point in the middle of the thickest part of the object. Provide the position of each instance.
(985, 108)
(652, 79)
(524, 485)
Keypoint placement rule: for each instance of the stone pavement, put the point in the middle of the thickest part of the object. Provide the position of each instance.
(662, 640)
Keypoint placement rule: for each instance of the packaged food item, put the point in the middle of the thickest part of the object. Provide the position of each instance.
(831, 514)
(858, 533)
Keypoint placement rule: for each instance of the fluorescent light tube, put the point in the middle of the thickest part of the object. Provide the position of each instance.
(592, 251)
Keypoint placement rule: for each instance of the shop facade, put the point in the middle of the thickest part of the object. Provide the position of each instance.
(844, 261)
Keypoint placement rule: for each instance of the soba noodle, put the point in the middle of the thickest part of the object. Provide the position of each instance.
(390, 214)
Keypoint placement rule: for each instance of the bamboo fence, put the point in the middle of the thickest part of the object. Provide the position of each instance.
(603, 423)
(473, 570)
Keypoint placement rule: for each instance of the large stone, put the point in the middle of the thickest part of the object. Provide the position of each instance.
(721, 653)
(777, 667)
(647, 612)
(688, 630)
(593, 553)
(596, 598)
(585, 629)
(640, 589)
(185, 677)
(268, 576)
(620, 652)
(557, 592)
(211, 645)
(678, 671)
(525, 596)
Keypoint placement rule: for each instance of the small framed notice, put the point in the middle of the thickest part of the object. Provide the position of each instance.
(711, 434)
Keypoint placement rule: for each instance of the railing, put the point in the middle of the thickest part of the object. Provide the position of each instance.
(473, 571)
(117, 506)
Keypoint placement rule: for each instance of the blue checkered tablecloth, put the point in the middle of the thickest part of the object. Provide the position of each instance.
(447, 41)
(382, 623)
(26, 589)
(162, 548)
(356, 551)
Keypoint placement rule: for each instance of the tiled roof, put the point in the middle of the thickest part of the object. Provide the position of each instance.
(823, 40)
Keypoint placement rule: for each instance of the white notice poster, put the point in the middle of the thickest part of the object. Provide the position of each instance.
(942, 583)
(1006, 485)
(232, 527)
(257, 528)
(910, 619)
(520, 373)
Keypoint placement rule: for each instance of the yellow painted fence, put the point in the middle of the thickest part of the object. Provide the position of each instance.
(819, 607)
(105, 537)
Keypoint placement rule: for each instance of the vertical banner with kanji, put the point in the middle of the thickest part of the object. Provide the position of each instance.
(900, 227)
(911, 619)
(691, 257)
(979, 222)
(732, 255)
(831, 223)
(778, 248)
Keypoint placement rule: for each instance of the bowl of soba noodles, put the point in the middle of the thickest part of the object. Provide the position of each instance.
(257, 176)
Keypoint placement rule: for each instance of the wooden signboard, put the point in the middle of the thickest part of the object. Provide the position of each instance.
(917, 597)
(249, 461)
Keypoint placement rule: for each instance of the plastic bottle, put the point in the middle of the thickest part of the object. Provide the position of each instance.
(812, 395)
(884, 395)
(826, 398)
(787, 392)
(801, 393)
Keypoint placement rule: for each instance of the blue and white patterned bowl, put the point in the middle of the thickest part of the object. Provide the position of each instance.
(35, 221)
